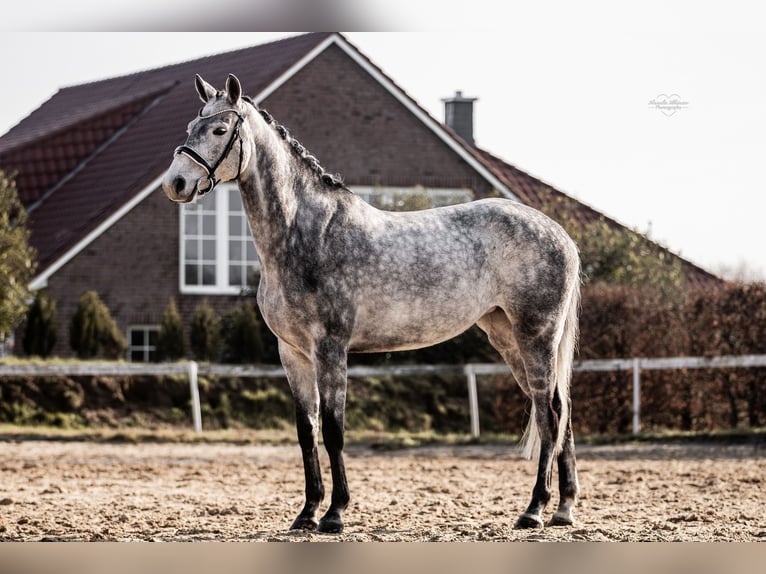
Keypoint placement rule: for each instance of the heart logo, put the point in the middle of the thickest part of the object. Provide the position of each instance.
(668, 104)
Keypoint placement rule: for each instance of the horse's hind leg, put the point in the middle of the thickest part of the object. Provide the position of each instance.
(539, 363)
(568, 484)
(501, 335)
(302, 380)
(499, 330)
(532, 365)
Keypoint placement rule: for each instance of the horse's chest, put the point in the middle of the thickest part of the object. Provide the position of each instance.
(286, 320)
(298, 316)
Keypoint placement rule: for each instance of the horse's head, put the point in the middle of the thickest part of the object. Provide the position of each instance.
(217, 146)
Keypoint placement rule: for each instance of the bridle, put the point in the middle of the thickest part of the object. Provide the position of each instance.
(193, 155)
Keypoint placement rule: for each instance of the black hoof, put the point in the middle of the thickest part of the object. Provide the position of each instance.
(304, 523)
(528, 521)
(561, 520)
(330, 524)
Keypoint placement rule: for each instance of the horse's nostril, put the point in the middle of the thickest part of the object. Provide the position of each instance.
(179, 184)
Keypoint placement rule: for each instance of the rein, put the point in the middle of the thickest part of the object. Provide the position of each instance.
(193, 155)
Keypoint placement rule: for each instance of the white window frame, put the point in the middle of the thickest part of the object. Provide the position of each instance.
(221, 286)
(438, 195)
(146, 348)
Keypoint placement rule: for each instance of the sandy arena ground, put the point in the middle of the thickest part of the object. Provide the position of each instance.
(61, 491)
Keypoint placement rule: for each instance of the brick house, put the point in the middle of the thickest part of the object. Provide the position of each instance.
(90, 159)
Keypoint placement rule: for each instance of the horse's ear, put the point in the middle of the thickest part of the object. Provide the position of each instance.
(205, 90)
(233, 89)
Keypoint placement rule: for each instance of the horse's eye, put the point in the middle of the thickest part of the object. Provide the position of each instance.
(219, 131)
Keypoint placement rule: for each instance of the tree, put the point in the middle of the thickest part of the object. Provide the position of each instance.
(170, 339)
(42, 326)
(93, 332)
(617, 255)
(17, 258)
(242, 335)
(205, 332)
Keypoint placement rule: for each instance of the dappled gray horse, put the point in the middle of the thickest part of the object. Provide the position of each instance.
(339, 276)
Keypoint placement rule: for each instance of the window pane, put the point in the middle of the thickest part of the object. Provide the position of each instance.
(235, 225)
(191, 224)
(208, 202)
(190, 275)
(251, 255)
(191, 250)
(208, 250)
(208, 274)
(235, 275)
(153, 337)
(235, 200)
(235, 250)
(208, 224)
(252, 276)
(136, 338)
(137, 355)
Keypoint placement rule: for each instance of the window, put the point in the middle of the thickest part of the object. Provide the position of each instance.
(142, 343)
(217, 251)
(412, 198)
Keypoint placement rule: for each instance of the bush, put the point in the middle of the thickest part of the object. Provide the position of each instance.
(170, 339)
(205, 332)
(17, 258)
(42, 327)
(242, 335)
(626, 322)
(93, 332)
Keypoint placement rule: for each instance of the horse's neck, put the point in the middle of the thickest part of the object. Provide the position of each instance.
(274, 185)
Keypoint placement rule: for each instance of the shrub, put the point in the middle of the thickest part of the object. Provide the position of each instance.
(93, 332)
(42, 327)
(624, 322)
(242, 335)
(205, 332)
(17, 258)
(170, 339)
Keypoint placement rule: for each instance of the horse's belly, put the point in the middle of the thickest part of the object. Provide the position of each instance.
(401, 329)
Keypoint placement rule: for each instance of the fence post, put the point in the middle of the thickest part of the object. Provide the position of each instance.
(636, 396)
(196, 410)
(473, 400)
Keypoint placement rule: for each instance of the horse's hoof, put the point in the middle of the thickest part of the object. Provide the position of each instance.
(304, 523)
(528, 521)
(330, 525)
(561, 519)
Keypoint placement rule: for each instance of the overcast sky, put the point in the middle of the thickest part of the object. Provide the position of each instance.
(561, 94)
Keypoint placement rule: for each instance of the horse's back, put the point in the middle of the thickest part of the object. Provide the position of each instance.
(491, 239)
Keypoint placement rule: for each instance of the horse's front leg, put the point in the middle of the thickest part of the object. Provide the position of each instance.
(331, 365)
(302, 380)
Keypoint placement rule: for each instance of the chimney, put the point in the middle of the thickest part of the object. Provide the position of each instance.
(458, 115)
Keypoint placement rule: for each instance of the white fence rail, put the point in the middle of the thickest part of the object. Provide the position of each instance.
(192, 370)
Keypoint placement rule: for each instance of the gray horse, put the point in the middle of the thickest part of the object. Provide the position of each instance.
(339, 276)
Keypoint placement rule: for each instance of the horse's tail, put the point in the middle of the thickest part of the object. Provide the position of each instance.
(565, 351)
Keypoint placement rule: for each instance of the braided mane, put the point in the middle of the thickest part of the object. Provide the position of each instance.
(330, 180)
